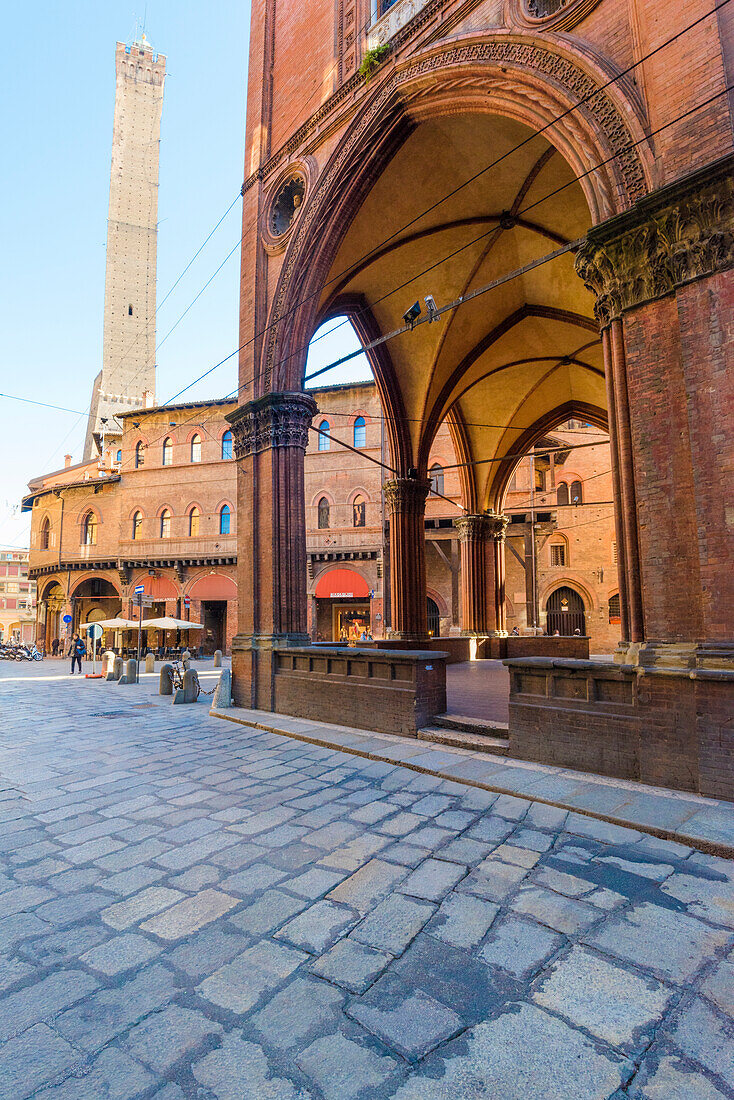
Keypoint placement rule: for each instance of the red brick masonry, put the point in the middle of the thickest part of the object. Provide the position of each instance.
(665, 727)
(399, 691)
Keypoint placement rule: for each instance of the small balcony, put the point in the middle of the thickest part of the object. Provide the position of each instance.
(390, 16)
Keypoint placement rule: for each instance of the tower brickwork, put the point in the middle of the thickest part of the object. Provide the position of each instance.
(128, 354)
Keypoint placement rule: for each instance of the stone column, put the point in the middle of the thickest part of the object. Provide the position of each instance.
(499, 529)
(663, 276)
(405, 499)
(270, 437)
(482, 573)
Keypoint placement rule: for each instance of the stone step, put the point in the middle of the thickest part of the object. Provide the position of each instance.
(470, 725)
(462, 739)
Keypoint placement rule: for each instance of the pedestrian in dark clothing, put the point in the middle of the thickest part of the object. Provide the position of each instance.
(78, 650)
(55, 646)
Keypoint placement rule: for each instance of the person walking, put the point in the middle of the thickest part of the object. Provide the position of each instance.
(78, 650)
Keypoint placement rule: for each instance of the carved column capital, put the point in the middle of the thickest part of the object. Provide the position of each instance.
(677, 234)
(406, 494)
(484, 526)
(274, 420)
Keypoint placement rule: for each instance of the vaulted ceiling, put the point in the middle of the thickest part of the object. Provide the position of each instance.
(498, 365)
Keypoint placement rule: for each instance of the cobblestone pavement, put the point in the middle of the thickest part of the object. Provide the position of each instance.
(189, 908)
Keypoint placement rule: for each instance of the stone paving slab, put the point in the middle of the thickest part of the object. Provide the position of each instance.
(703, 823)
(375, 932)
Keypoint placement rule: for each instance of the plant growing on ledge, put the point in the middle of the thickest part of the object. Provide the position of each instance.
(372, 60)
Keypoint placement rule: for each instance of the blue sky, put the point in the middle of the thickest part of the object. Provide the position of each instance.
(57, 89)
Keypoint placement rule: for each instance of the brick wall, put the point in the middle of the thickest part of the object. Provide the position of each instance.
(399, 691)
(669, 730)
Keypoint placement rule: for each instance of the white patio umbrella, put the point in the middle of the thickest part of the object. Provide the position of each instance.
(112, 624)
(169, 623)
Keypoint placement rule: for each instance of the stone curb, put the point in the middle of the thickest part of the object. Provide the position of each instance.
(691, 839)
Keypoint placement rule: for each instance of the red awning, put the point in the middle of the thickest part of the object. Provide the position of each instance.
(342, 584)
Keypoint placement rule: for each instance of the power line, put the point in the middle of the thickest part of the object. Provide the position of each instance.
(473, 294)
(495, 283)
(510, 152)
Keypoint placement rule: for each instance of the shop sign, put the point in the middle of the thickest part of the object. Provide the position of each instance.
(342, 595)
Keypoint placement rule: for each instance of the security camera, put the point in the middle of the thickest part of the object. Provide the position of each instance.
(411, 315)
(433, 314)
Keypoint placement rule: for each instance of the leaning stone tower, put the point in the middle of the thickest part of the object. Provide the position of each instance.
(128, 354)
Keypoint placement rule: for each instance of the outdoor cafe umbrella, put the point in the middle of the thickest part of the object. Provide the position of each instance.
(112, 624)
(169, 623)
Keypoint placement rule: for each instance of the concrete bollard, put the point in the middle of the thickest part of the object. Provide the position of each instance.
(223, 691)
(217, 658)
(131, 672)
(186, 655)
(165, 686)
(108, 660)
(150, 662)
(186, 661)
(117, 669)
(189, 692)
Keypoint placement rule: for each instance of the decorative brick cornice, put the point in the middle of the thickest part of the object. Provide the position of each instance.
(274, 420)
(677, 234)
(406, 494)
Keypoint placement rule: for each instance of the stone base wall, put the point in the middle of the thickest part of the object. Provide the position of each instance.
(389, 691)
(666, 728)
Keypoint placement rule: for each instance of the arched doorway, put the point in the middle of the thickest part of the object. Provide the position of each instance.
(434, 618)
(565, 612)
(93, 599)
(50, 609)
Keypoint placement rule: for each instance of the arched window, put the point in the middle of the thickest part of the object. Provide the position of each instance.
(225, 519)
(227, 445)
(615, 613)
(139, 455)
(45, 533)
(436, 475)
(323, 514)
(194, 517)
(118, 458)
(577, 493)
(137, 524)
(165, 524)
(562, 495)
(360, 432)
(168, 452)
(324, 440)
(196, 449)
(359, 512)
(89, 530)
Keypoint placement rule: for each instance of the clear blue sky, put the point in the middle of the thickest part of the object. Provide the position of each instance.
(57, 89)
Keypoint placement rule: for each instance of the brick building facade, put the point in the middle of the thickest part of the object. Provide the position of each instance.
(161, 511)
(557, 178)
(17, 597)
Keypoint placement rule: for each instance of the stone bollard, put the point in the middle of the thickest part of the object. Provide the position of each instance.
(186, 661)
(186, 655)
(165, 687)
(116, 671)
(189, 692)
(108, 660)
(223, 691)
(150, 662)
(217, 658)
(131, 672)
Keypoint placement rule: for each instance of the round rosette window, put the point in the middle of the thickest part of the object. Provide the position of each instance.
(285, 206)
